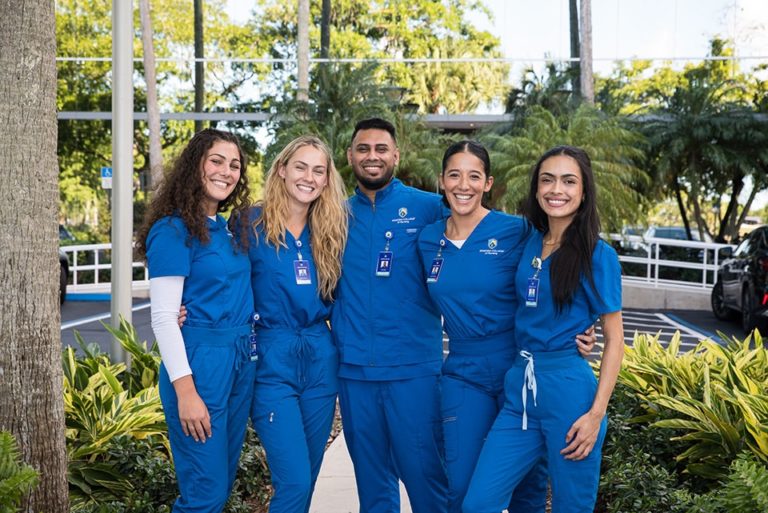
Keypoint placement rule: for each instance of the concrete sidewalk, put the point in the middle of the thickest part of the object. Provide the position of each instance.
(335, 491)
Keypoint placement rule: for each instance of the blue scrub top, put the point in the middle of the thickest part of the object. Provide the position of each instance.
(217, 291)
(475, 288)
(278, 299)
(387, 327)
(541, 328)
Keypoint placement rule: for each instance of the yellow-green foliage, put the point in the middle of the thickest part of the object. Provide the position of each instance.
(716, 395)
(104, 402)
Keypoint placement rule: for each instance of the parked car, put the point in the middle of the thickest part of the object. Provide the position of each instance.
(63, 275)
(64, 236)
(741, 286)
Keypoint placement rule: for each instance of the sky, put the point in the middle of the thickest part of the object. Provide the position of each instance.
(532, 30)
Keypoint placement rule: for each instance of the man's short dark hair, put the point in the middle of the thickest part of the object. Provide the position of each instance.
(374, 123)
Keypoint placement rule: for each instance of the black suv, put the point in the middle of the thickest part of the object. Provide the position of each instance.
(742, 282)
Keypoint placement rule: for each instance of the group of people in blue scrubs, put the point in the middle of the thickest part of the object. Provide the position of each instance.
(347, 297)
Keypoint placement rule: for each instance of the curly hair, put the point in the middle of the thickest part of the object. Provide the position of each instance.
(327, 216)
(182, 192)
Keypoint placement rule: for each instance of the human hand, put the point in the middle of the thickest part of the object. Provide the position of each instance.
(193, 414)
(585, 342)
(582, 436)
(182, 315)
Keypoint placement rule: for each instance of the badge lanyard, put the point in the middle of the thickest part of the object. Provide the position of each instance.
(301, 268)
(253, 345)
(384, 263)
(437, 264)
(532, 293)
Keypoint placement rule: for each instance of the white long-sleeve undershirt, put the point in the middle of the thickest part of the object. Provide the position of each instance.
(165, 293)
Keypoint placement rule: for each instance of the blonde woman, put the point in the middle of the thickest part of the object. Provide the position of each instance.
(297, 236)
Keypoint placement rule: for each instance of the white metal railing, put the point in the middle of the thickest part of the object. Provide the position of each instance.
(90, 267)
(672, 257)
(90, 264)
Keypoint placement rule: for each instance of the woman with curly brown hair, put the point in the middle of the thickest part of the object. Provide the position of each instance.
(207, 373)
(297, 236)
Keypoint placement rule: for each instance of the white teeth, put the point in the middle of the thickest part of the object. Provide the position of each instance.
(463, 197)
(305, 188)
(556, 202)
(220, 184)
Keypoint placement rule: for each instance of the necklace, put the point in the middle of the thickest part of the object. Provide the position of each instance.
(551, 243)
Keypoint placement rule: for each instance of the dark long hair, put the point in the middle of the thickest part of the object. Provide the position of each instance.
(574, 257)
(182, 192)
(476, 149)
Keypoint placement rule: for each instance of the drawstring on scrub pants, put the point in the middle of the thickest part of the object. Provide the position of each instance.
(529, 383)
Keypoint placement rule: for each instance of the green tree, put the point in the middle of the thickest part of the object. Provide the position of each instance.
(706, 142)
(613, 148)
(397, 28)
(339, 96)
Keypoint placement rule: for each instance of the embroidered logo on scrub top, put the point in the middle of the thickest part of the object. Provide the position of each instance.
(492, 245)
(402, 216)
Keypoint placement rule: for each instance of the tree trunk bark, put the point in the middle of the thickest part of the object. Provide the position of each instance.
(199, 66)
(587, 82)
(302, 94)
(325, 30)
(573, 12)
(31, 400)
(681, 207)
(153, 109)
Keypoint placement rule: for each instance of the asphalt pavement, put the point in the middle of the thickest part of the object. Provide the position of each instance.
(86, 317)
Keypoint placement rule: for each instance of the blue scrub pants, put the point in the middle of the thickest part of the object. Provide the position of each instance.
(472, 388)
(392, 430)
(566, 387)
(293, 408)
(223, 376)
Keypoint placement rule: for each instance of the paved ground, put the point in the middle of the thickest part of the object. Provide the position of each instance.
(86, 317)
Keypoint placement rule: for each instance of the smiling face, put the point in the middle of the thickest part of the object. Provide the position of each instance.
(560, 190)
(373, 156)
(305, 175)
(465, 181)
(221, 173)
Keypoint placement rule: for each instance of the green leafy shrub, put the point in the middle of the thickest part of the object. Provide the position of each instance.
(16, 478)
(103, 402)
(745, 490)
(635, 484)
(716, 398)
(117, 437)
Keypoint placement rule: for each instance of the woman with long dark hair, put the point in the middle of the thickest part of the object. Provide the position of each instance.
(207, 373)
(554, 406)
(470, 260)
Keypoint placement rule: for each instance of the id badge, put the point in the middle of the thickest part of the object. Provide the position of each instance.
(301, 270)
(253, 347)
(384, 264)
(434, 270)
(532, 294)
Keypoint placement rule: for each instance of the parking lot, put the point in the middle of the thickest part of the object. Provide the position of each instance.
(694, 325)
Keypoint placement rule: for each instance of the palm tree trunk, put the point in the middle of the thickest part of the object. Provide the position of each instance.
(587, 81)
(681, 207)
(325, 30)
(199, 66)
(573, 11)
(31, 404)
(153, 109)
(302, 94)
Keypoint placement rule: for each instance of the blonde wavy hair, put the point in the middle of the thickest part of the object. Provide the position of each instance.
(327, 215)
